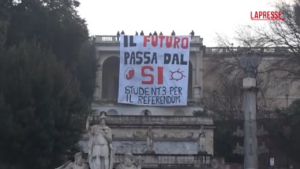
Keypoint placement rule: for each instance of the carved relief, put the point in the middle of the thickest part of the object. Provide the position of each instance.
(166, 134)
(160, 147)
(129, 162)
(123, 147)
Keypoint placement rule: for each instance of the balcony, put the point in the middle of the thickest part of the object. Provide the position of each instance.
(113, 39)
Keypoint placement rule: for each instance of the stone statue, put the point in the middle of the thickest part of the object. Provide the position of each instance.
(129, 162)
(261, 131)
(262, 149)
(249, 64)
(100, 150)
(150, 136)
(201, 141)
(239, 132)
(77, 164)
(239, 149)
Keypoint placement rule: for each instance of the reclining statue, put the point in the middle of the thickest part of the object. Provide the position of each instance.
(77, 164)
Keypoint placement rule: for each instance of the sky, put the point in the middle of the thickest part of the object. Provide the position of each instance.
(204, 17)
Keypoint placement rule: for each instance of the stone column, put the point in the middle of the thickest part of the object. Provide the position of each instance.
(250, 126)
(197, 68)
(98, 90)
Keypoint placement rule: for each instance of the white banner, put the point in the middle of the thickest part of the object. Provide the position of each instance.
(154, 70)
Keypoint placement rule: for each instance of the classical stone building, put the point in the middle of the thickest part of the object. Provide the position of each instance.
(175, 130)
(276, 94)
(174, 140)
(106, 94)
(200, 81)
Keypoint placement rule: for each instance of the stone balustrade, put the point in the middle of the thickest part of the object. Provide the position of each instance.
(159, 160)
(112, 102)
(154, 120)
(210, 51)
(259, 116)
(114, 39)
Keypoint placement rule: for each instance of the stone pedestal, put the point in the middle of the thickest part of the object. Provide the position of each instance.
(202, 152)
(150, 152)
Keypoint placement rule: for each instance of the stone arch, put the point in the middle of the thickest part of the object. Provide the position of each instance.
(190, 81)
(110, 77)
(103, 58)
(146, 112)
(112, 112)
(179, 113)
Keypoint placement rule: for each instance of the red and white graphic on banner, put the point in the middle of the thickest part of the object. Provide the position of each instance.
(154, 70)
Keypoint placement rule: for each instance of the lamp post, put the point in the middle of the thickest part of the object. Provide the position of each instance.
(287, 100)
(214, 97)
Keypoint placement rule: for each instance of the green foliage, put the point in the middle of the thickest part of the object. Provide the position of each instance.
(200, 113)
(225, 142)
(42, 111)
(44, 95)
(56, 26)
(287, 131)
(86, 70)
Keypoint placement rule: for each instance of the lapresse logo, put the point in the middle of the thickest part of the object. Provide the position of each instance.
(266, 15)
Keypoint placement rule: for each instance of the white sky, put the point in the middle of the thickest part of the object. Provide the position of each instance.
(205, 17)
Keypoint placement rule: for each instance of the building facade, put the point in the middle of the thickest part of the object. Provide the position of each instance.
(106, 94)
(200, 82)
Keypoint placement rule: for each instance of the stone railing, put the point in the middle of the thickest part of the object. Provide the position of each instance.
(154, 120)
(163, 160)
(259, 116)
(114, 39)
(112, 102)
(209, 51)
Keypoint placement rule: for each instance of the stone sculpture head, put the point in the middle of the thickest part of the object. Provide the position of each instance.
(128, 159)
(102, 119)
(78, 158)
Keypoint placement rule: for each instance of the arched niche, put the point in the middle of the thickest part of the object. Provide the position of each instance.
(179, 113)
(112, 112)
(110, 77)
(146, 112)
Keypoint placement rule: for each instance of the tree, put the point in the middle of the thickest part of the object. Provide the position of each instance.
(56, 26)
(42, 111)
(226, 104)
(271, 77)
(226, 100)
(284, 36)
(200, 113)
(86, 69)
(287, 130)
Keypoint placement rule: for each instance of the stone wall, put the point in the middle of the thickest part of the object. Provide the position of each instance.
(172, 135)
